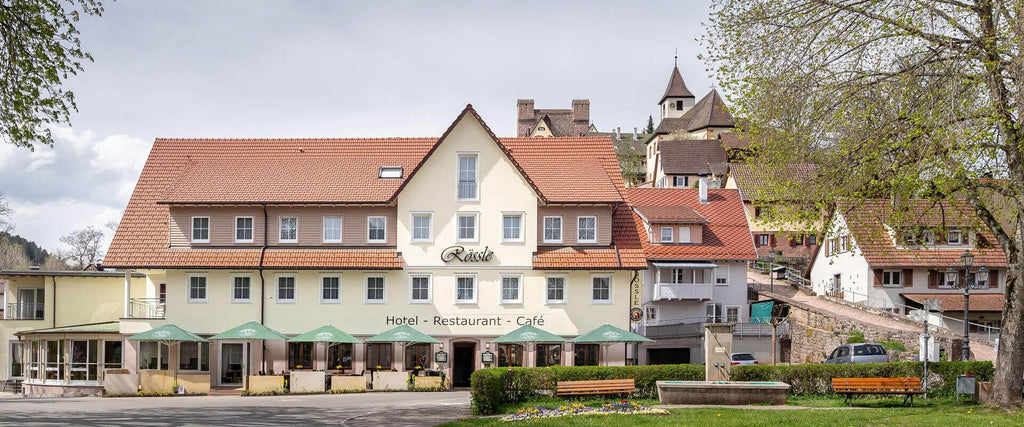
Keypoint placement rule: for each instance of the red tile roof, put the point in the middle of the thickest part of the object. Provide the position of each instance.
(726, 236)
(867, 220)
(756, 182)
(626, 251)
(338, 171)
(678, 214)
(955, 301)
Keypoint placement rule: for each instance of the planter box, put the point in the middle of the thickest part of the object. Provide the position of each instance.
(194, 383)
(264, 383)
(156, 381)
(427, 382)
(348, 383)
(308, 382)
(120, 384)
(387, 380)
(61, 390)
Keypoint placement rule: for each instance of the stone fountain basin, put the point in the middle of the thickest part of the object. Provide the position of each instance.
(722, 392)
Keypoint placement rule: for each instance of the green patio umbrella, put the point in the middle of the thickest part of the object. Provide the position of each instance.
(528, 334)
(403, 335)
(607, 335)
(251, 332)
(168, 335)
(328, 335)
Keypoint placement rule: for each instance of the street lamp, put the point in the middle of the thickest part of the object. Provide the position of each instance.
(771, 268)
(967, 259)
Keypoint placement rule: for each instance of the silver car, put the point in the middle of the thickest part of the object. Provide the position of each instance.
(858, 353)
(743, 359)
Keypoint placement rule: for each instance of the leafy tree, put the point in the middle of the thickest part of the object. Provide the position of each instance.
(85, 247)
(5, 214)
(56, 261)
(40, 48)
(12, 255)
(650, 125)
(895, 99)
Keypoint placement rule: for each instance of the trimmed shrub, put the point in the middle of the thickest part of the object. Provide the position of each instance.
(498, 386)
(817, 379)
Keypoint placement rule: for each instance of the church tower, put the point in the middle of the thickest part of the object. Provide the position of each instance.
(677, 99)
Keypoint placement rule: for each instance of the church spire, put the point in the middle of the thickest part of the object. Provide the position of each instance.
(676, 87)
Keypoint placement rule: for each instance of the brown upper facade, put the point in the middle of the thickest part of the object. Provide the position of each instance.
(533, 122)
(332, 203)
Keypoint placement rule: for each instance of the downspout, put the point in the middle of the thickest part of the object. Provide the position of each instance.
(263, 288)
(54, 302)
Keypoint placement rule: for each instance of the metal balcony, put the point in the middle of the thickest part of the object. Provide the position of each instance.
(147, 308)
(683, 291)
(25, 311)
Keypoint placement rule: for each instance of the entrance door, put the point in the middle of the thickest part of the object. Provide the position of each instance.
(463, 358)
(232, 363)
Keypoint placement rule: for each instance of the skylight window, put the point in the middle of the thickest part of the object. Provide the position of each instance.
(390, 172)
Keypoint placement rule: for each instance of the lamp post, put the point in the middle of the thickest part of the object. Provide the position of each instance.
(771, 268)
(967, 259)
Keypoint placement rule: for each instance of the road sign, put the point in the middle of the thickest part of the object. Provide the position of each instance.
(932, 304)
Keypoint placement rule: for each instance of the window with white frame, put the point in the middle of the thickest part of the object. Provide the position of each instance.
(666, 235)
(954, 237)
(330, 289)
(200, 229)
(332, 229)
(928, 237)
(374, 289)
(555, 289)
(285, 289)
(601, 289)
(289, 229)
(763, 239)
(732, 314)
(376, 229)
(84, 360)
(241, 289)
(552, 229)
(721, 276)
(892, 278)
(468, 177)
(419, 288)
(587, 230)
(681, 181)
(684, 234)
(651, 313)
(465, 289)
(512, 227)
(844, 243)
(196, 288)
(713, 312)
(511, 289)
(243, 229)
(467, 227)
(422, 227)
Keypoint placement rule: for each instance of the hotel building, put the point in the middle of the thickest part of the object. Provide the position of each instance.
(465, 237)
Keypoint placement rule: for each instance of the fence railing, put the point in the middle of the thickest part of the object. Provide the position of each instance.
(696, 329)
(25, 311)
(953, 324)
(147, 308)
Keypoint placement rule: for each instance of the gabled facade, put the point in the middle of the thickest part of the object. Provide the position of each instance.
(463, 237)
(790, 242)
(682, 163)
(697, 244)
(871, 257)
(545, 123)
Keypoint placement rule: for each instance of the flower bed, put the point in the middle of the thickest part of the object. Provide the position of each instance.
(624, 407)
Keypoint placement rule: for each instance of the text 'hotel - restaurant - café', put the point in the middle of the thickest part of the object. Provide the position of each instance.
(462, 238)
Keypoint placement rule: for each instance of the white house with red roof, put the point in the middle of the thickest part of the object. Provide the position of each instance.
(894, 259)
(697, 243)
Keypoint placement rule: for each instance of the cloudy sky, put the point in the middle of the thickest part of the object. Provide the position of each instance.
(334, 69)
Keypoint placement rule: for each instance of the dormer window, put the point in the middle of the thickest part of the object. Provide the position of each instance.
(666, 235)
(390, 172)
(684, 235)
(954, 237)
(928, 237)
(909, 238)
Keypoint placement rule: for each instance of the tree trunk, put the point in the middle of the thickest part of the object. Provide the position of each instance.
(1009, 373)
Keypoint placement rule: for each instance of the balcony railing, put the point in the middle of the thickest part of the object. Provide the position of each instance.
(25, 311)
(683, 291)
(147, 308)
(687, 330)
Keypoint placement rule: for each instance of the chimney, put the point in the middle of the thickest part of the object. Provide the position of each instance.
(524, 117)
(618, 133)
(580, 116)
(635, 137)
(703, 191)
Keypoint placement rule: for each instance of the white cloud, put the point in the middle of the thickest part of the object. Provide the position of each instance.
(45, 222)
(120, 153)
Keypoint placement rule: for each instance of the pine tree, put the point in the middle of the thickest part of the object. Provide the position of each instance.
(650, 125)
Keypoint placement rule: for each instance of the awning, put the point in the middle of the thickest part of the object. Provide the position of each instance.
(609, 334)
(761, 312)
(88, 328)
(168, 333)
(403, 334)
(955, 301)
(685, 265)
(327, 334)
(527, 334)
(250, 331)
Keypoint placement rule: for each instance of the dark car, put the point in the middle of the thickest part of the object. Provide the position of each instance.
(858, 353)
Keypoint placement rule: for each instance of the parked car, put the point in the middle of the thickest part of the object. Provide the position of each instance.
(858, 353)
(743, 359)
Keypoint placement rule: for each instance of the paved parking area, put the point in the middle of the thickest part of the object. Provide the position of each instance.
(358, 409)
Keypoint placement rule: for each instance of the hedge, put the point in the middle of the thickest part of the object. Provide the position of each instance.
(498, 386)
(816, 379)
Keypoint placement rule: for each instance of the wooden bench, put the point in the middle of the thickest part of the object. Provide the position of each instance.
(908, 387)
(579, 388)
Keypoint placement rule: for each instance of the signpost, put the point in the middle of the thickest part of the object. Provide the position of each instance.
(923, 315)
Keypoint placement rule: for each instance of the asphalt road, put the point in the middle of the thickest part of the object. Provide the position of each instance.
(357, 409)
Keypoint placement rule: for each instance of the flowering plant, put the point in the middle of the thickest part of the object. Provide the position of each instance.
(378, 366)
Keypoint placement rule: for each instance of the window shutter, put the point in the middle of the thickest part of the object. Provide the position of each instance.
(908, 278)
(993, 279)
(934, 277)
(772, 239)
(878, 278)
